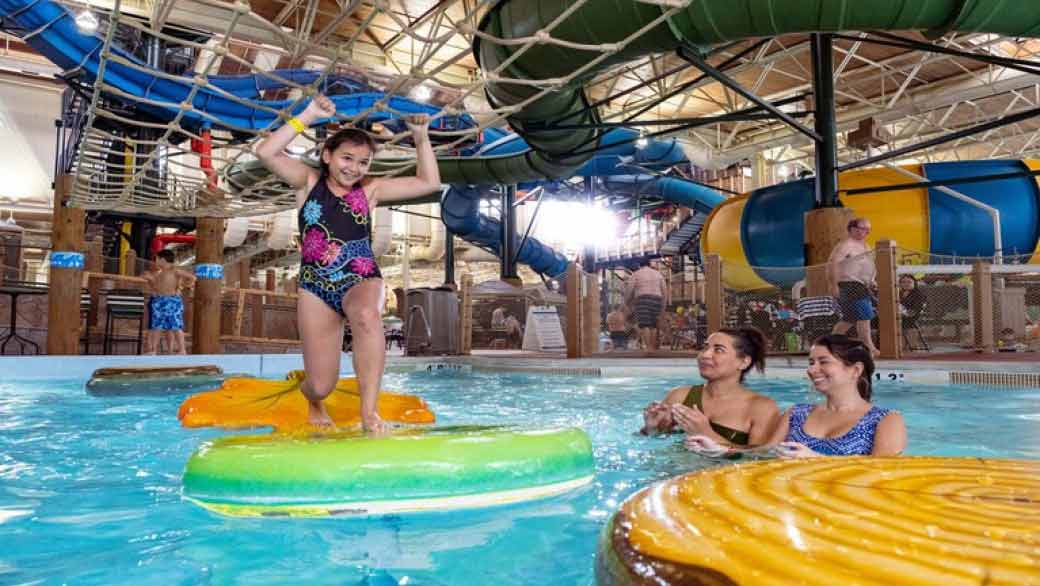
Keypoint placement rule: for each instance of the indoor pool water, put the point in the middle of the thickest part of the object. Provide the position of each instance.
(90, 487)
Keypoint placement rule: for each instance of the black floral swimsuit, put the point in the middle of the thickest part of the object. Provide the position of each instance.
(335, 243)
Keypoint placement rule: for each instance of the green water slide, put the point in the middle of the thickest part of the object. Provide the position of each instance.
(704, 23)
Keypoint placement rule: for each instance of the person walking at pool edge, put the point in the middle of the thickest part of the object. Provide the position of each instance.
(339, 277)
(851, 275)
(165, 307)
(646, 292)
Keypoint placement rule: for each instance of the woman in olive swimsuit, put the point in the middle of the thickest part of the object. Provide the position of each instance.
(722, 409)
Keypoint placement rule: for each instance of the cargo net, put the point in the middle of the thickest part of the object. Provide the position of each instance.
(167, 109)
(943, 308)
(767, 299)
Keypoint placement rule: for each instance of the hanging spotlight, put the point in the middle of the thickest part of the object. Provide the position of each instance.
(86, 22)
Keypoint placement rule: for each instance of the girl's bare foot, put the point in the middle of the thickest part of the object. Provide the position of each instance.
(374, 424)
(318, 416)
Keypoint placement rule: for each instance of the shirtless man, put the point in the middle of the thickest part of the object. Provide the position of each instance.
(646, 292)
(166, 308)
(851, 274)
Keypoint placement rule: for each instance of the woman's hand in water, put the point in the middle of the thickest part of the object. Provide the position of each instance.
(418, 125)
(657, 418)
(320, 107)
(705, 446)
(793, 450)
(692, 421)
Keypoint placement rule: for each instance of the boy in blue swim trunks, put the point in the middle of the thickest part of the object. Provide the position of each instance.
(166, 308)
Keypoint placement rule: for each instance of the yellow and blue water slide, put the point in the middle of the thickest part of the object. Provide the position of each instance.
(760, 235)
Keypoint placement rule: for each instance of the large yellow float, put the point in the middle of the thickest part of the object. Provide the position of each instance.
(832, 521)
(250, 402)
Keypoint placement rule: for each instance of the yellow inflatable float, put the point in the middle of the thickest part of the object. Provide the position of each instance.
(251, 402)
(828, 521)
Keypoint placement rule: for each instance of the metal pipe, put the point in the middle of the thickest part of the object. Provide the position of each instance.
(826, 146)
(449, 257)
(1012, 119)
(508, 223)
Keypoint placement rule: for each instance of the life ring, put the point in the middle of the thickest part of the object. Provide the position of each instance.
(826, 521)
(408, 471)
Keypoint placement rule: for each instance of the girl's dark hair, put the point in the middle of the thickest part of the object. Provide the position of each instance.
(165, 254)
(851, 351)
(911, 277)
(751, 343)
(354, 136)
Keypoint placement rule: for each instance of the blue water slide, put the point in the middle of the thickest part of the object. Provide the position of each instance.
(772, 231)
(616, 155)
(675, 190)
(460, 213)
(57, 38)
(958, 228)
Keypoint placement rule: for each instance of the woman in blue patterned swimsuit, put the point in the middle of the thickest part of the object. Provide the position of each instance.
(846, 424)
(338, 273)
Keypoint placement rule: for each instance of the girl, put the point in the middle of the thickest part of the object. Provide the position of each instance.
(723, 409)
(338, 273)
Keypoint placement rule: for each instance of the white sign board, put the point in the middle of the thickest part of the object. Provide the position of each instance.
(543, 331)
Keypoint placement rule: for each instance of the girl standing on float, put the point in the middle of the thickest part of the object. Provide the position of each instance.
(339, 277)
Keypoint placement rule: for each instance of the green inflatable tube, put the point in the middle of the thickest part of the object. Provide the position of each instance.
(411, 471)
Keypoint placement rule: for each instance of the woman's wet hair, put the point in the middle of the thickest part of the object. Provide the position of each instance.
(850, 351)
(751, 343)
(354, 136)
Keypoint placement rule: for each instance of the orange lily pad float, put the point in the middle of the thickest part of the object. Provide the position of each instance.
(242, 403)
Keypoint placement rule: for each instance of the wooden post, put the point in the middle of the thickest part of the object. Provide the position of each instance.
(130, 263)
(245, 278)
(824, 229)
(590, 320)
(982, 296)
(574, 349)
(260, 302)
(67, 262)
(466, 315)
(209, 253)
(95, 263)
(889, 325)
(713, 294)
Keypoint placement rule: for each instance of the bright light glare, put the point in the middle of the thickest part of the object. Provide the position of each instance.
(86, 22)
(641, 142)
(421, 93)
(783, 171)
(575, 224)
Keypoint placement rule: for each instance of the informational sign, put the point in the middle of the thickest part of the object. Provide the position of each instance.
(543, 332)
